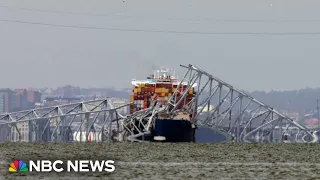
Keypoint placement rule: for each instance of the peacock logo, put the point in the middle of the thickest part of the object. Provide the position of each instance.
(18, 165)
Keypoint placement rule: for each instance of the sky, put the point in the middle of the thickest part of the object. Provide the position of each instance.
(38, 48)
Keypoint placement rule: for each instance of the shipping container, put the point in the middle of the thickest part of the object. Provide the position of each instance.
(143, 92)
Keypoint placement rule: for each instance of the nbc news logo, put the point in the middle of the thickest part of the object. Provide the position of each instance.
(57, 166)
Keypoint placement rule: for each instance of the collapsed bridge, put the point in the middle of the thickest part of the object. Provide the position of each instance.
(217, 105)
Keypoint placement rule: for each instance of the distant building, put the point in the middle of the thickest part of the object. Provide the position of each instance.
(56, 101)
(7, 100)
(292, 115)
(18, 100)
(68, 91)
(5, 106)
(26, 99)
(33, 96)
(311, 123)
(2, 104)
(116, 102)
(21, 100)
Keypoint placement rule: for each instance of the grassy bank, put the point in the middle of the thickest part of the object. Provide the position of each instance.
(271, 161)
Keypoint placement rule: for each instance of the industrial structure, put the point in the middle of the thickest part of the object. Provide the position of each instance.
(231, 113)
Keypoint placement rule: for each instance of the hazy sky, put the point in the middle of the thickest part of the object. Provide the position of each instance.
(36, 55)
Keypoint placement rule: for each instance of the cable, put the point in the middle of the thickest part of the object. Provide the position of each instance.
(162, 31)
(171, 18)
(54, 11)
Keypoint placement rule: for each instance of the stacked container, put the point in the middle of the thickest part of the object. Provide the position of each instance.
(142, 93)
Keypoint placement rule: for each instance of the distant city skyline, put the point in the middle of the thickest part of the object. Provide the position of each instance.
(37, 52)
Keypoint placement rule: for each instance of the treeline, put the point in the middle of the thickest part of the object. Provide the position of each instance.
(303, 101)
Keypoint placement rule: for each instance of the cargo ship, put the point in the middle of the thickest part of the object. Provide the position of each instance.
(159, 87)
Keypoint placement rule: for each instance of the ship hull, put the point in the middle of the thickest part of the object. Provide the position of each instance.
(169, 130)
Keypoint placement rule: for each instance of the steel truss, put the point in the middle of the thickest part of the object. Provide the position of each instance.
(235, 115)
(95, 120)
(217, 105)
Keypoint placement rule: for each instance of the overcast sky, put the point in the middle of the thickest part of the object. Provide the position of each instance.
(35, 55)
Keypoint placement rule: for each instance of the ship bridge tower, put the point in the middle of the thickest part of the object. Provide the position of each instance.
(164, 73)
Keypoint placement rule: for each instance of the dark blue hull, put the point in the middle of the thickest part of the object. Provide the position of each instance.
(168, 130)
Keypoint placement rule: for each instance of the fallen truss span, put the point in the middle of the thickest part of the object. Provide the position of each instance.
(94, 120)
(239, 116)
(230, 112)
(218, 105)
